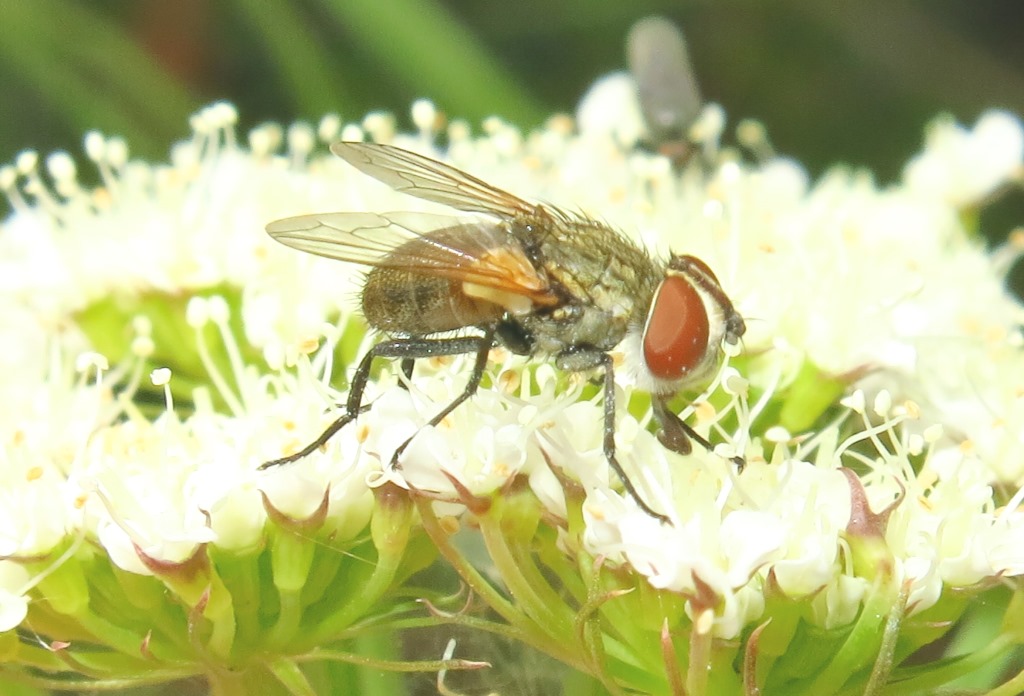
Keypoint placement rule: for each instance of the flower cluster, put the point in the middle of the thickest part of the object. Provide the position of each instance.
(160, 347)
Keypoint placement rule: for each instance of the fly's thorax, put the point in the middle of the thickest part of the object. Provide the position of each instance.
(557, 330)
(605, 281)
(404, 302)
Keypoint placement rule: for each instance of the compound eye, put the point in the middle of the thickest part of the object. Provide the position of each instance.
(675, 338)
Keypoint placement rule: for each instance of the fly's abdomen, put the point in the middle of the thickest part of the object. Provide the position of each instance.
(401, 302)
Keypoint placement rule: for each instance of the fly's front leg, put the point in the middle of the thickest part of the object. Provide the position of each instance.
(675, 434)
(579, 359)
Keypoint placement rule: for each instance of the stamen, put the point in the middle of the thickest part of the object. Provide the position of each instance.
(707, 130)
(353, 133)
(1012, 506)
(323, 360)
(380, 125)
(161, 377)
(329, 128)
(854, 402)
(459, 131)
(117, 153)
(220, 315)
(27, 164)
(274, 355)
(62, 168)
(301, 141)
(265, 139)
(226, 118)
(8, 184)
(933, 433)
(89, 360)
(425, 117)
(142, 346)
(752, 135)
(53, 567)
(915, 445)
(197, 314)
(506, 139)
(97, 150)
(883, 403)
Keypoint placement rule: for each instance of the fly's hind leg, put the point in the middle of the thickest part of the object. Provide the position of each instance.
(353, 406)
(481, 345)
(408, 351)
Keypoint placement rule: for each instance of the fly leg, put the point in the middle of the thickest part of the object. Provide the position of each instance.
(579, 359)
(481, 345)
(406, 367)
(408, 351)
(675, 434)
(353, 406)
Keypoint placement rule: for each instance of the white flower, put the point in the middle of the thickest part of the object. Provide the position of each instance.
(14, 600)
(791, 523)
(963, 166)
(611, 109)
(51, 403)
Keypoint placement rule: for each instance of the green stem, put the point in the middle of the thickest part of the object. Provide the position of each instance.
(700, 656)
(288, 620)
(477, 583)
(928, 678)
(884, 662)
(241, 576)
(514, 571)
(63, 685)
(392, 665)
(290, 675)
(1014, 687)
(362, 602)
(862, 642)
(527, 629)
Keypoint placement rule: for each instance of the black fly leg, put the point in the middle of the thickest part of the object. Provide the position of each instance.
(353, 406)
(675, 434)
(457, 346)
(406, 367)
(408, 350)
(579, 359)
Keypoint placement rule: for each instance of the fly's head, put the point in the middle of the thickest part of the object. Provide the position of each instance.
(689, 317)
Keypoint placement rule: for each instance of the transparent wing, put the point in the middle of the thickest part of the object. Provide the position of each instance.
(430, 180)
(479, 252)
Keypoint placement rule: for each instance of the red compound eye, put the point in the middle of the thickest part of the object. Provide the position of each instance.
(676, 336)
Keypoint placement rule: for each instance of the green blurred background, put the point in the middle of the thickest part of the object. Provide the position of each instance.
(850, 82)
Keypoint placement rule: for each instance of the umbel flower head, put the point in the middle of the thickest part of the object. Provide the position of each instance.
(158, 347)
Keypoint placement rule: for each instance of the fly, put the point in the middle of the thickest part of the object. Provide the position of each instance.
(533, 278)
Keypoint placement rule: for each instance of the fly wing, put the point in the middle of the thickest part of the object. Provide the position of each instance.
(430, 180)
(478, 252)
